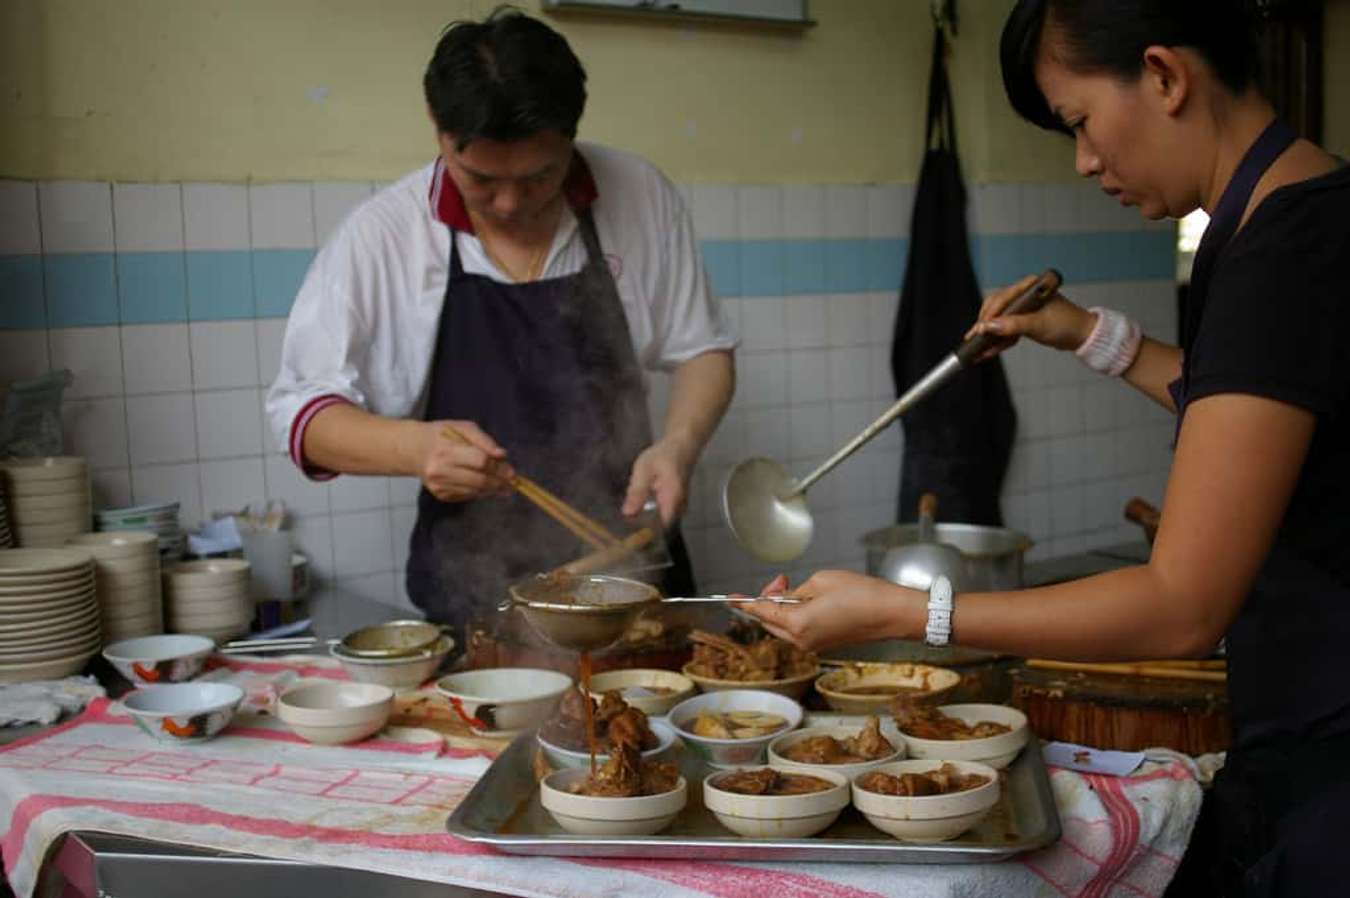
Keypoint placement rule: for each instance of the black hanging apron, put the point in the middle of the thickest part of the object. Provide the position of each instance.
(1275, 820)
(547, 368)
(958, 441)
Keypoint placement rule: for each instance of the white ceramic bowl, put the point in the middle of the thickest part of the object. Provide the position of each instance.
(207, 572)
(928, 818)
(563, 758)
(996, 751)
(586, 815)
(787, 740)
(791, 687)
(636, 683)
(399, 674)
(135, 545)
(933, 681)
(733, 752)
(503, 699)
(333, 713)
(184, 712)
(777, 816)
(160, 659)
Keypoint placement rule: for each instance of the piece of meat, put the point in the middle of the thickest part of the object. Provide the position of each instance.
(711, 726)
(659, 778)
(869, 744)
(630, 727)
(619, 777)
(820, 750)
(749, 782)
(925, 722)
(943, 781)
(611, 705)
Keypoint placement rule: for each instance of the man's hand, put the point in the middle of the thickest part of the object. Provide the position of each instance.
(662, 470)
(456, 470)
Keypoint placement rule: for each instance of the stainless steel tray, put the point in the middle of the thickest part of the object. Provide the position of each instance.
(503, 810)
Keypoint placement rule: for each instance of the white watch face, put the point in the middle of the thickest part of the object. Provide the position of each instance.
(941, 591)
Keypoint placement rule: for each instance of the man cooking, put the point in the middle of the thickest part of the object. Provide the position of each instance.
(515, 289)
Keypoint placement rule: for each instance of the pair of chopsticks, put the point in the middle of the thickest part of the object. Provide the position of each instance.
(588, 530)
(1214, 671)
(608, 547)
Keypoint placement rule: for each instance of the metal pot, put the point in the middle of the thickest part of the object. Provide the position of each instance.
(992, 555)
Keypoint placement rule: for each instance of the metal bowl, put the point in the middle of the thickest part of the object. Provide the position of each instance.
(582, 613)
(391, 639)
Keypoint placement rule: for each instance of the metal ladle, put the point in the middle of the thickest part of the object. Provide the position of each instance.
(765, 506)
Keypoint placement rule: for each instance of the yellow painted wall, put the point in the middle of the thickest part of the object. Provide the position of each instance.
(1336, 69)
(308, 89)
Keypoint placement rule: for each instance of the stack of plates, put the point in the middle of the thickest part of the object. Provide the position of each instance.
(49, 499)
(208, 598)
(49, 624)
(160, 519)
(126, 569)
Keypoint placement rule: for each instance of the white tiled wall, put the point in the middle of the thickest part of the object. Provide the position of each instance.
(174, 411)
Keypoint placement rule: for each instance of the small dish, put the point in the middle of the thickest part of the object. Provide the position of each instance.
(733, 752)
(996, 751)
(335, 713)
(564, 758)
(589, 815)
(928, 818)
(653, 692)
(790, 687)
(399, 674)
(778, 816)
(160, 659)
(846, 688)
(184, 712)
(778, 760)
(503, 700)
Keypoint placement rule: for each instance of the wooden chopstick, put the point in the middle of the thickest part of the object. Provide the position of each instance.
(584, 528)
(598, 561)
(1133, 669)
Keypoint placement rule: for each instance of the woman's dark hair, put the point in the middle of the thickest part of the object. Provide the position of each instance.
(504, 78)
(1110, 36)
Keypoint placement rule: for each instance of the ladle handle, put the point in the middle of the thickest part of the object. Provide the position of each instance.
(928, 506)
(1031, 300)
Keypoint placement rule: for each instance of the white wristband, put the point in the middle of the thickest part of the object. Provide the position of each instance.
(940, 606)
(1113, 344)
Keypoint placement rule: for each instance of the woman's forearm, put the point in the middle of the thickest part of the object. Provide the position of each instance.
(1156, 366)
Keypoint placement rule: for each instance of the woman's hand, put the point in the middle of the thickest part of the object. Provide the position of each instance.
(1058, 324)
(843, 608)
(458, 470)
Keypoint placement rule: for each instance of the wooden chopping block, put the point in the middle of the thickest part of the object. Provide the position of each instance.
(1125, 713)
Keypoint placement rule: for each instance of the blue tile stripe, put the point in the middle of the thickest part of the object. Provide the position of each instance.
(80, 289)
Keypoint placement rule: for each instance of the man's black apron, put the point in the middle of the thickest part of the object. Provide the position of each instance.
(958, 441)
(1275, 821)
(547, 368)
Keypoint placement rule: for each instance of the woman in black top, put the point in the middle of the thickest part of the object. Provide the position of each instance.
(1254, 543)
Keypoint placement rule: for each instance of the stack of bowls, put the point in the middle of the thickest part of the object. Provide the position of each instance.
(49, 619)
(160, 519)
(126, 567)
(49, 499)
(208, 598)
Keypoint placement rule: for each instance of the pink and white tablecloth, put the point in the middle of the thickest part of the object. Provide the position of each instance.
(381, 806)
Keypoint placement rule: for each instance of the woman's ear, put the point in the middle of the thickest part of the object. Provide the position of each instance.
(1168, 77)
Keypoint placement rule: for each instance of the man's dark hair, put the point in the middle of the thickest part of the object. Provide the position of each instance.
(504, 78)
(1110, 36)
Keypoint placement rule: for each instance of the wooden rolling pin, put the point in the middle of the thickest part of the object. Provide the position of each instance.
(1178, 670)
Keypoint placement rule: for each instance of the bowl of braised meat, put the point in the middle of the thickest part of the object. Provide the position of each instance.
(926, 800)
(871, 687)
(849, 750)
(565, 741)
(771, 802)
(991, 734)
(626, 796)
(733, 728)
(724, 662)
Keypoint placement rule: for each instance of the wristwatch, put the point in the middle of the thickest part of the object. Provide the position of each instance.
(939, 631)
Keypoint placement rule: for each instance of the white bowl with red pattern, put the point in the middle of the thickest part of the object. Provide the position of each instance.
(171, 658)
